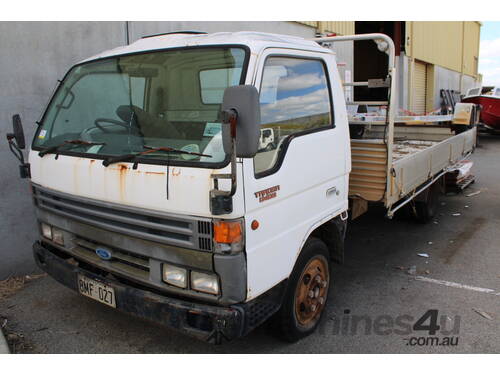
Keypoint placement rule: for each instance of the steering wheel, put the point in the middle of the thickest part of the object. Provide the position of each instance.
(111, 121)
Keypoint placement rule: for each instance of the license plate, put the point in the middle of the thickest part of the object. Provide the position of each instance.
(96, 290)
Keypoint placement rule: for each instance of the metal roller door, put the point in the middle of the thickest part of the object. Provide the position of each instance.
(419, 87)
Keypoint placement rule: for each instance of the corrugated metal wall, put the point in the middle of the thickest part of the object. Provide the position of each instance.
(309, 23)
(437, 43)
(419, 88)
(472, 32)
(339, 27)
(450, 44)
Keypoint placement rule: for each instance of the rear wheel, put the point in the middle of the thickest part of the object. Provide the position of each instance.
(425, 209)
(306, 294)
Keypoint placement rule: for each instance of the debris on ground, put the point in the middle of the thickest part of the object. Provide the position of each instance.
(473, 194)
(457, 214)
(11, 285)
(427, 272)
(412, 270)
(459, 176)
(424, 255)
(484, 314)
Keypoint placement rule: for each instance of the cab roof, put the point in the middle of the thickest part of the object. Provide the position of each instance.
(254, 40)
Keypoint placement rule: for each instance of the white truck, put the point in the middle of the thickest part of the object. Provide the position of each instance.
(152, 195)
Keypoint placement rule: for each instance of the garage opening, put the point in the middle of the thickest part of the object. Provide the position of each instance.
(369, 62)
(419, 95)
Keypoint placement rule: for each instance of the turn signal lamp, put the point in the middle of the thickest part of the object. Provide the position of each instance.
(227, 231)
(228, 235)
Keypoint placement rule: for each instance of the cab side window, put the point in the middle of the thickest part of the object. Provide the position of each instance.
(294, 100)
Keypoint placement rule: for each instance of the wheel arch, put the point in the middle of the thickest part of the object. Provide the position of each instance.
(332, 232)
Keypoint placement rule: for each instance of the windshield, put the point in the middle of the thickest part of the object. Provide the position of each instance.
(120, 105)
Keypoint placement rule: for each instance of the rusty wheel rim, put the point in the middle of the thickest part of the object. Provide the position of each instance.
(311, 291)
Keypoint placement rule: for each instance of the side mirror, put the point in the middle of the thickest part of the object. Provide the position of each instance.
(244, 101)
(18, 145)
(18, 134)
(240, 114)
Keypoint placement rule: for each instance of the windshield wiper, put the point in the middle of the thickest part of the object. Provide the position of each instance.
(129, 157)
(73, 143)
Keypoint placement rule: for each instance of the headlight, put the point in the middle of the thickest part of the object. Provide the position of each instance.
(46, 231)
(204, 282)
(58, 236)
(175, 275)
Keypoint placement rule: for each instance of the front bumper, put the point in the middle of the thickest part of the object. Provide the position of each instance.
(209, 323)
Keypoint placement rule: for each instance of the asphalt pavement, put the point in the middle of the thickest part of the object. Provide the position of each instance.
(375, 302)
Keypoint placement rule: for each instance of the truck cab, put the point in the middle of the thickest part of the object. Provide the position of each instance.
(153, 199)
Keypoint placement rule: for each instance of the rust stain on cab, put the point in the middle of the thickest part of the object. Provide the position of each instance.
(91, 161)
(122, 169)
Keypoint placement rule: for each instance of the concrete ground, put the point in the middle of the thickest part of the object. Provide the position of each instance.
(460, 279)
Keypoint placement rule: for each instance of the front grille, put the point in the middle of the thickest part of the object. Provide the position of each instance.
(205, 227)
(182, 231)
(123, 262)
(205, 231)
(121, 256)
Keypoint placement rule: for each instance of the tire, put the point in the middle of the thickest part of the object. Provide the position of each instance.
(356, 131)
(296, 318)
(424, 211)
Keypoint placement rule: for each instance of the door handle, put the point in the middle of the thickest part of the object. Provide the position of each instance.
(331, 191)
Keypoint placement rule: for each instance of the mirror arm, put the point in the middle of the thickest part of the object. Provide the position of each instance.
(24, 168)
(14, 149)
(220, 200)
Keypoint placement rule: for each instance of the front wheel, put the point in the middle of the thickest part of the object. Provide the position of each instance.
(306, 294)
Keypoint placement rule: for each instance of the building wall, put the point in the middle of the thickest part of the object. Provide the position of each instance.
(34, 55)
(437, 43)
(442, 78)
(140, 29)
(453, 45)
(472, 31)
(451, 49)
(313, 24)
(338, 27)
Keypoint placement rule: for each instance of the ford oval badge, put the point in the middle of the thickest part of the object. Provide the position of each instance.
(104, 254)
